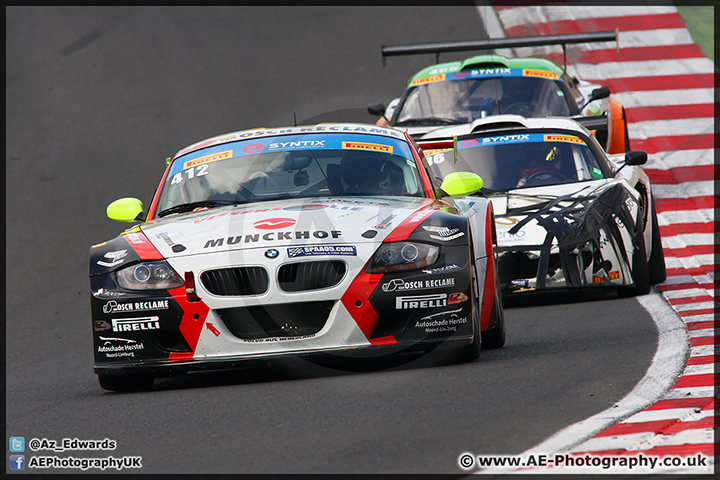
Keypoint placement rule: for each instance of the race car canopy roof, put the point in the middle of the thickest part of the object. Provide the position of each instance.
(306, 129)
(487, 66)
(498, 122)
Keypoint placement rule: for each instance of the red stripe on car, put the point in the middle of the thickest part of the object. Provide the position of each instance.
(153, 203)
(427, 182)
(407, 226)
(192, 322)
(142, 246)
(356, 301)
(489, 287)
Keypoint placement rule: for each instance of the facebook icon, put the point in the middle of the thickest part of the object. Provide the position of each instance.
(17, 462)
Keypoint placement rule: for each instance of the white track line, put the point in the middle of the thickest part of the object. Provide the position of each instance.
(667, 365)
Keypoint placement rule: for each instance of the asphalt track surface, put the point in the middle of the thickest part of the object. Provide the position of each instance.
(97, 98)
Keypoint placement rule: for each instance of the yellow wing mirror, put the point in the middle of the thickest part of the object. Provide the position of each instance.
(125, 210)
(460, 184)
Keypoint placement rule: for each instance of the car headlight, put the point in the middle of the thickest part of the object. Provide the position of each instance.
(149, 276)
(396, 256)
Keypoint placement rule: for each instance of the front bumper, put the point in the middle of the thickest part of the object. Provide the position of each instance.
(172, 368)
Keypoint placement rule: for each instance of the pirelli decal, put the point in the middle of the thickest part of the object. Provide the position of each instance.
(207, 159)
(436, 150)
(539, 73)
(434, 78)
(615, 275)
(563, 138)
(132, 324)
(375, 147)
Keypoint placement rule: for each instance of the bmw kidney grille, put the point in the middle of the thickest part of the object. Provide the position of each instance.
(303, 276)
(236, 281)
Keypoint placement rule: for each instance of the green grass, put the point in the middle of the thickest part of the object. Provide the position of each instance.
(699, 21)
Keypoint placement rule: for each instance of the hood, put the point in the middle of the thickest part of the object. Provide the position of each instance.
(310, 221)
(518, 212)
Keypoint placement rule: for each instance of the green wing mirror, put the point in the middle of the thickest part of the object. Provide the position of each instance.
(460, 184)
(125, 210)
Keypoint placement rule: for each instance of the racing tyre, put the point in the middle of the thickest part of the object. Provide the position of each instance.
(656, 264)
(472, 352)
(126, 383)
(640, 270)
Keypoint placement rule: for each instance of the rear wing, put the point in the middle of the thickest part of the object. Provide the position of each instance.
(493, 43)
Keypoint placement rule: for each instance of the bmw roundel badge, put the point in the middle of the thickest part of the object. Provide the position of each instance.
(272, 253)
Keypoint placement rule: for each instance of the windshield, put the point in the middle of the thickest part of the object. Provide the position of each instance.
(466, 100)
(507, 162)
(291, 166)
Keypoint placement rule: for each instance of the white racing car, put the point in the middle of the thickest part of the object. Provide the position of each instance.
(567, 214)
(295, 241)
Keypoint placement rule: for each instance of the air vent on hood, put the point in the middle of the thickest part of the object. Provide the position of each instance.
(236, 281)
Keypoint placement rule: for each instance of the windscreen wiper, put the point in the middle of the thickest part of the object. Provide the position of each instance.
(488, 191)
(186, 207)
